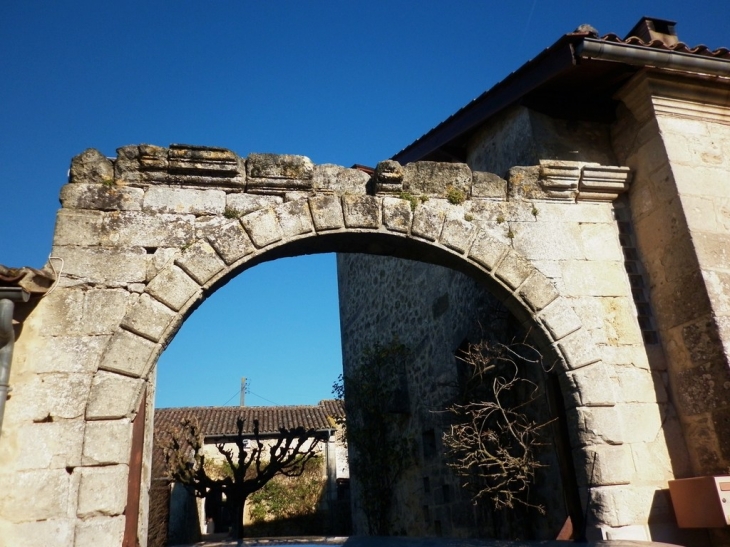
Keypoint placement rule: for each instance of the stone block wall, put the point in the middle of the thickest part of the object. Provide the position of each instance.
(145, 236)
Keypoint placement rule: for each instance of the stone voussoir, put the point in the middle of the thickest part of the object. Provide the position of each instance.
(326, 212)
(560, 318)
(487, 251)
(263, 227)
(200, 261)
(428, 220)
(113, 396)
(231, 241)
(362, 211)
(173, 287)
(458, 234)
(294, 218)
(538, 291)
(127, 353)
(513, 269)
(149, 318)
(397, 214)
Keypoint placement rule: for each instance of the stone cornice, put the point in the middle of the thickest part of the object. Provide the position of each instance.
(703, 98)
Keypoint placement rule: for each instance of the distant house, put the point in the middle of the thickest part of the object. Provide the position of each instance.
(176, 516)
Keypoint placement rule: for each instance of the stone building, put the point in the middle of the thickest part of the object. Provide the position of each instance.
(658, 107)
(588, 193)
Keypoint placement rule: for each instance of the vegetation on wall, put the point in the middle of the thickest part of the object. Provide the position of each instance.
(377, 414)
(494, 443)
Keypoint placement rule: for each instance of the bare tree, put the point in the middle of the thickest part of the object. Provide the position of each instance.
(494, 443)
(248, 467)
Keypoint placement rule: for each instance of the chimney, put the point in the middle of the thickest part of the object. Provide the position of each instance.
(651, 28)
(243, 391)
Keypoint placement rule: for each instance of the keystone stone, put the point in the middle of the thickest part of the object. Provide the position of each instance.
(200, 261)
(91, 167)
(231, 241)
(326, 212)
(294, 218)
(184, 201)
(127, 354)
(102, 490)
(397, 214)
(173, 287)
(361, 211)
(112, 396)
(101, 197)
(263, 227)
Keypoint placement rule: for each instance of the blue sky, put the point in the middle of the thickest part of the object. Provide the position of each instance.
(341, 82)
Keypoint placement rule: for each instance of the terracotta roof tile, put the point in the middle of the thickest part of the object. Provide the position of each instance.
(221, 421)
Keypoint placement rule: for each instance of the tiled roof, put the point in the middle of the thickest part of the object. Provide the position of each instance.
(221, 421)
(679, 47)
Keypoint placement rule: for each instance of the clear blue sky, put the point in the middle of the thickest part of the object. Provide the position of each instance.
(339, 81)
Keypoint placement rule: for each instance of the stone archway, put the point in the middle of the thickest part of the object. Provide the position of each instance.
(146, 237)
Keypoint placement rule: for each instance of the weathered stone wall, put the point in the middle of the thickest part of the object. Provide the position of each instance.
(676, 137)
(431, 310)
(147, 235)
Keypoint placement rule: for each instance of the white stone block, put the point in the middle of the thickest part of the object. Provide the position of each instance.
(173, 287)
(149, 318)
(34, 495)
(184, 201)
(113, 396)
(102, 490)
(128, 353)
(243, 204)
(294, 218)
(42, 533)
(103, 265)
(50, 445)
(107, 442)
(100, 532)
(262, 227)
(200, 261)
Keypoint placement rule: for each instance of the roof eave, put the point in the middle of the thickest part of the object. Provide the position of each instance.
(551, 62)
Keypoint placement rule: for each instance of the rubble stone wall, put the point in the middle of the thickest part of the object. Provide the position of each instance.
(146, 235)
